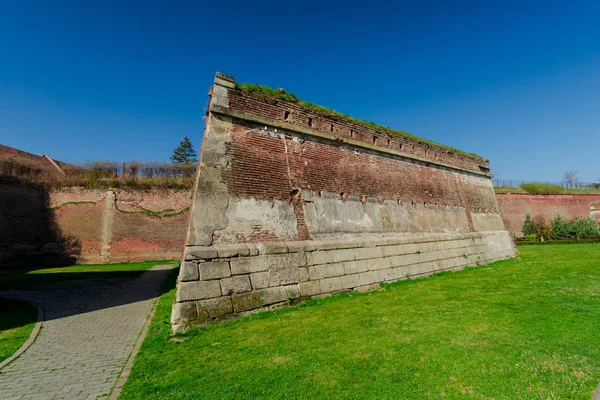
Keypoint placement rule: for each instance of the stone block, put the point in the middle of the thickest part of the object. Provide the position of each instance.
(272, 248)
(247, 265)
(326, 271)
(288, 275)
(246, 301)
(286, 261)
(342, 255)
(367, 288)
(350, 281)
(260, 280)
(232, 250)
(188, 272)
(200, 253)
(386, 275)
(309, 288)
(235, 284)
(322, 257)
(328, 244)
(378, 263)
(367, 278)
(300, 245)
(198, 290)
(216, 307)
(363, 253)
(330, 284)
(183, 312)
(273, 295)
(377, 252)
(292, 291)
(214, 270)
(252, 249)
(354, 267)
(389, 251)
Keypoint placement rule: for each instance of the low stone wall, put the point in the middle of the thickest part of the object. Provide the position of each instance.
(230, 280)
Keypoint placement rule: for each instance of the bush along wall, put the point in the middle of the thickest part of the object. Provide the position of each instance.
(559, 229)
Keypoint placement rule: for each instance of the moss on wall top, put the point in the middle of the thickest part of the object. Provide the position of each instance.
(270, 95)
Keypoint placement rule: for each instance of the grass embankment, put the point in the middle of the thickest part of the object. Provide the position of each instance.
(17, 320)
(544, 189)
(33, 277)
(522, 328)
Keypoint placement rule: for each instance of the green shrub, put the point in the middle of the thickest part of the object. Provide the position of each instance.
(561, 229)
(542, 188)
(584, 228)
(528, 228)
(542, 229)
(531, 237)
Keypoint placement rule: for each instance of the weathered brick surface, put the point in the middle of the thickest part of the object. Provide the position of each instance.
(516, 206)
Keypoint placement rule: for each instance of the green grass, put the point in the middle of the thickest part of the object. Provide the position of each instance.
(544, 188)
(32, 277)
(270, 95)
(17, 320)
(522, 328)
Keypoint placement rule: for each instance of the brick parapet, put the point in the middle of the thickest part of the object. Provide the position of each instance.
(343, 129)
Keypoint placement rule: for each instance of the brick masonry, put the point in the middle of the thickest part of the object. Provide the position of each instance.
(91, 226)
(516, 206)
(291, 204)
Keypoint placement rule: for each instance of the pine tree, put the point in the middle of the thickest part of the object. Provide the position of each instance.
(184, 156)
(528, 226)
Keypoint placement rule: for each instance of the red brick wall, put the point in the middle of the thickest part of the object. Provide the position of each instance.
(371, 134)
(270, 167)
(516, 206)
(40, 226)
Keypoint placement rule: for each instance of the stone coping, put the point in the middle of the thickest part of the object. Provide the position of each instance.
(294, 246)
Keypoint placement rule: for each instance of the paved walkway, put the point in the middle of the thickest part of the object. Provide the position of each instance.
(88, 333)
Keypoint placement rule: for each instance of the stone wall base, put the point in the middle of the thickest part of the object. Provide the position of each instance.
(227, 281)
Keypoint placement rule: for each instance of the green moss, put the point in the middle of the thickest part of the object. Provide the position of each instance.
(271, 95)
(169, 212)
(74, 203)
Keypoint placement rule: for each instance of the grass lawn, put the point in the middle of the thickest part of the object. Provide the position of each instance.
(522, 328)
(33, 277)
(17, 320)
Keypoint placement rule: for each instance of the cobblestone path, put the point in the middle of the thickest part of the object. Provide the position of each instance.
(88, 333)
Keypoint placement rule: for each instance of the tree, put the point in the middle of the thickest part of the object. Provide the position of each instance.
(571, 179)
(184, 156)
(528, 228)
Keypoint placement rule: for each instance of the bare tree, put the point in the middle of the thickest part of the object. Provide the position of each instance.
(571, 179)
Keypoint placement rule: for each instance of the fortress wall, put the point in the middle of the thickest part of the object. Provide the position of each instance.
(516, 206)
(78, 225)
(292, 203)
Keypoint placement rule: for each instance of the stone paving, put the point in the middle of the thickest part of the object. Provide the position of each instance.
(90, 328)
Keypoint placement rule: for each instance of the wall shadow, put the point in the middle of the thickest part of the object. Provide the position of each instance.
(29, 234)
(66, 294)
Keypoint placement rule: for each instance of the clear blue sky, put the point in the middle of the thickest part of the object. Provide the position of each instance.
(517, 82)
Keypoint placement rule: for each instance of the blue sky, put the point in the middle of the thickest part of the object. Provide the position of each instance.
(517, 82)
